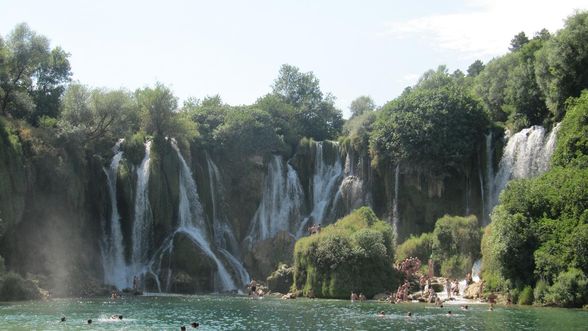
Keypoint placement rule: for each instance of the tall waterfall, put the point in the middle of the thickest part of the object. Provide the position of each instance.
(395, 216)
(281, 202)
(192, 221)
(224, 237)
(113, 260)
(527, 154)
(324, 184)
(142, 221)
(351, 193)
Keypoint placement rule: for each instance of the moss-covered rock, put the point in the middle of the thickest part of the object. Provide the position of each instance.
(13, 288)
(267, 254)
(192, 270)
(281, 280)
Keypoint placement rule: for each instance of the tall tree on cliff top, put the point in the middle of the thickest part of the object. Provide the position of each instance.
(562, 65)
(316, 115)
(33, 76)
(361, 105)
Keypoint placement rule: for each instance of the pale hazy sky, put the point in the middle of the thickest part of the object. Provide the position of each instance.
(235, 48)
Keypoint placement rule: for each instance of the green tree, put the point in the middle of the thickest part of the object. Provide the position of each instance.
(157, 106)
(562, 65)
(436, 124)
(93, 114)
(509, 89)
(33, 77)
(518, 41)
(315, 115)
(297, 88)
(475, 68)
(361, 105)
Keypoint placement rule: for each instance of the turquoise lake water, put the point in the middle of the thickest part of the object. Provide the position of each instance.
(241, 313)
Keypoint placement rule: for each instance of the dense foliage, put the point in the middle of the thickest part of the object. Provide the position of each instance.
(435, 124)
(354, 254)
(453, 245)
(539, 232)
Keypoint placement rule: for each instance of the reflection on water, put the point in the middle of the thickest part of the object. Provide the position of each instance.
(242, 313)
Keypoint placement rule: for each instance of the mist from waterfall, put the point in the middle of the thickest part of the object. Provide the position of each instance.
(113, 260)
(527, 154)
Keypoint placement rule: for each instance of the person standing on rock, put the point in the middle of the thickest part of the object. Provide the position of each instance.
(253, 287)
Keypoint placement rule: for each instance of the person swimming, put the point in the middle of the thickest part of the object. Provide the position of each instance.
(464, 307)
(381, 314)
(194, 325)
(182, 328)
(116, 317)
(90, 321)
(449, 313)
(62, 319)
(409, 314)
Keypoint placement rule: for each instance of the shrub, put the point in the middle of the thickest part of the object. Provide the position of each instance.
(570, 289)
(354, 254)
(540, 292)
(526, 296)
(456, 266)
(419, 247)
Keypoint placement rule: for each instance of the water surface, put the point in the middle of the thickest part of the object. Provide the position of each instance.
(241, 313)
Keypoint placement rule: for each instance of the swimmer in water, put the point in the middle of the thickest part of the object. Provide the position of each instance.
(182, 328)
(63, 319)
(381, 314)
(194, 325)
(449, 313)
(409, 314)
(90, 321)
(464, 307)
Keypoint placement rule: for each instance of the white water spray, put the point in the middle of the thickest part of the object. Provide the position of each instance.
(113, 260)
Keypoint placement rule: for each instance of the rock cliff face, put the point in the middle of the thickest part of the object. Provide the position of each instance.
(210, 217)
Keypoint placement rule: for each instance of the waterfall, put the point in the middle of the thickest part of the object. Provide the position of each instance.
(113, 260)
(395, 216)
(351, 193)
(527, 154)
(476, 268)
(280, 205)
(487, 189)
(192, 221)
(223, 233)
(142, 221)
(324, 184)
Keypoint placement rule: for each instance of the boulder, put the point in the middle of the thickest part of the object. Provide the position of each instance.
(281, 279)
(267, 254)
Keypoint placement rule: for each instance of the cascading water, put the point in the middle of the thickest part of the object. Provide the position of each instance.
(223, 233)
(486, 185)
(395, 216)
(324, 183)
(527, 154)
(113, 260)
(142, 221)
(192, 221)
(280, 205)
(351, 193)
